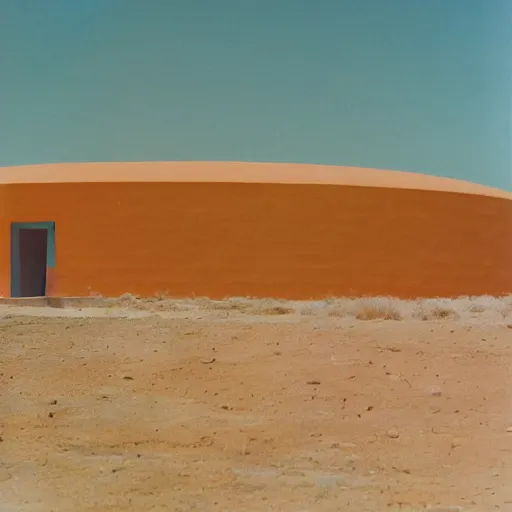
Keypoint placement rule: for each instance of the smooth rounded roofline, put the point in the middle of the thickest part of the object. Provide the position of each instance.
(237, 172)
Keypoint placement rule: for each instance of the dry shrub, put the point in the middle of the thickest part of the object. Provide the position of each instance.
(249, 306)
(56, 302)
(341, 308)
(275, 310)
(484, 304)
(307, 310)
(444, 312)
(127, 299)
(203, 303)
(313, 307)
(233, 304)
(269, 307)
(476, 308)
(155, 303)
(337, 312)
(505, 307)
(161, 305)
(378, 308)
(432, 310)
(506, 311)
(237, 305)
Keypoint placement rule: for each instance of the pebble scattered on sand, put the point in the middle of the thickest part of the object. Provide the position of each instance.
(456, 442)
(393, 433)
(435, 391)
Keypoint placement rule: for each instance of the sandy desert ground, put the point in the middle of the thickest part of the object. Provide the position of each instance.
(338, 405)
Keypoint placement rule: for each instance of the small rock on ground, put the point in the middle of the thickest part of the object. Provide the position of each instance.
(435, 391)
(393, 433)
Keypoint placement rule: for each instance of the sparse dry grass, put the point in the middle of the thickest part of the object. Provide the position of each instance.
(234, 304)
(364, 309)
(307, 310)
(434, 310)
(277, 310)
(340, 308)
(379, 308)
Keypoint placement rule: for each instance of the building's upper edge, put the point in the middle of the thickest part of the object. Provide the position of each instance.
(236, 172)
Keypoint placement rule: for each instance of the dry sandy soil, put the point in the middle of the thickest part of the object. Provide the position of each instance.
(256, 406)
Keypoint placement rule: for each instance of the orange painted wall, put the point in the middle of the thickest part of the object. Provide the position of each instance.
(270, 240)
(4, 244)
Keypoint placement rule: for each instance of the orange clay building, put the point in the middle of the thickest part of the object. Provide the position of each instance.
(237, 229)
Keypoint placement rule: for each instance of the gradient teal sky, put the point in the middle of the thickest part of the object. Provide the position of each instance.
(415, 85)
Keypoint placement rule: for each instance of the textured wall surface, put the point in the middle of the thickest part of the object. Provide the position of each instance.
(265, 239)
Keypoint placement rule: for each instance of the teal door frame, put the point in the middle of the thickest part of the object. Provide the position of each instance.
(15, 250)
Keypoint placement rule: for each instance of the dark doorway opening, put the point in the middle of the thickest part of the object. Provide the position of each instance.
(32, 258)
(33, 247)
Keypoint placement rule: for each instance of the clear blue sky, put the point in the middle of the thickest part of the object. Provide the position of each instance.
(417, 85)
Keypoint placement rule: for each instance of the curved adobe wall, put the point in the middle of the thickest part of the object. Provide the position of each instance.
(4, 244)
(280, 240)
